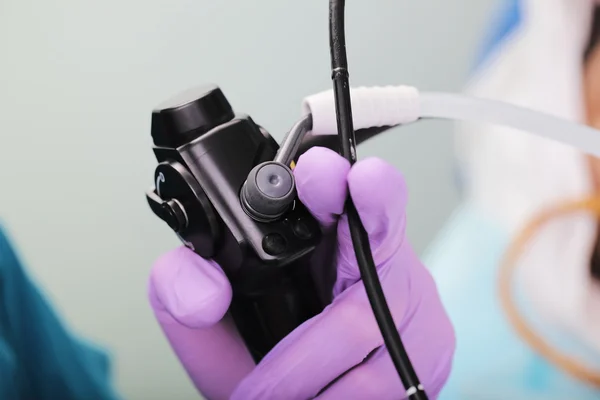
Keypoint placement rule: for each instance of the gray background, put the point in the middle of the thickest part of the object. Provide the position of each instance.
(78, 80)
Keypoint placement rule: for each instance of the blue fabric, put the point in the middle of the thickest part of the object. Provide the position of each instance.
(491, 361)
(510, 17)
(39, 358)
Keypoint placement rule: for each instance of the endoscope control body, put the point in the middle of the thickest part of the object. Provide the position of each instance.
(211, 164)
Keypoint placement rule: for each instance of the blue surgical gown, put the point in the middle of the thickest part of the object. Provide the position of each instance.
(39, 358)
(491, 361)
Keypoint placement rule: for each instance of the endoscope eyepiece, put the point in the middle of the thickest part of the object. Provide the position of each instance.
(189, 115)
(268, 192)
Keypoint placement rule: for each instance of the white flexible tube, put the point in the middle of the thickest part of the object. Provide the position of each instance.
(399, 105)
(464, 108)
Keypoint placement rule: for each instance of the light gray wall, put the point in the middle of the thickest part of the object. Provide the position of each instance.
(78, 80)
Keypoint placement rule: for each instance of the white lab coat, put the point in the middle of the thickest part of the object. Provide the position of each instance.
(508, 177)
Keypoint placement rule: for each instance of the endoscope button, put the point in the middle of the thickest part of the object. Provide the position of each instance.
(301, 229)
(174, 215)
(274, 244)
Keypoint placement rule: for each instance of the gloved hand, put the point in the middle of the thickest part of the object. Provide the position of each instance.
(190, 297)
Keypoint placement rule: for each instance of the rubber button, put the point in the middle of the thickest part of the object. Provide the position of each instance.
(274, 244)
(301, 229)
(275, 181)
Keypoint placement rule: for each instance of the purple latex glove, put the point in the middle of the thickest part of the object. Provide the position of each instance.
(190, 297)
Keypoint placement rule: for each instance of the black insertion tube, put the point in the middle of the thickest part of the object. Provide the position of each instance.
(360, 238)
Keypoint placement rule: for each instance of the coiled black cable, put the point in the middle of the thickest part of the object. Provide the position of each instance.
(360, 238)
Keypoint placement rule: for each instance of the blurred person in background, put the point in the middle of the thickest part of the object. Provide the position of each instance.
(39, 357)
(541, 339)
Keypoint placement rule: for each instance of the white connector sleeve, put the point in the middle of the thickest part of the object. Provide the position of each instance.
(371, 107)
(398, 105)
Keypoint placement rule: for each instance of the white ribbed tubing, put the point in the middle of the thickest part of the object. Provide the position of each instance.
(398, 105)
(371, 107)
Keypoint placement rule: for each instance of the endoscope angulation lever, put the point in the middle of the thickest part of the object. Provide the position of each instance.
(227, 190)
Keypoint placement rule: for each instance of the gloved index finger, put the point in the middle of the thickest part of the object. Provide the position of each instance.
(379, 194)
(321, 183)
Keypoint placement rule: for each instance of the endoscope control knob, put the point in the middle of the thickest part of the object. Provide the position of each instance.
(174, 215)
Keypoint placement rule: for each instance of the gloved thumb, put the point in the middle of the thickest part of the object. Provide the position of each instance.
(189, 289)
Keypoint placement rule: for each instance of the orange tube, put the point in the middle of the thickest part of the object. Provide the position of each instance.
(559, 359)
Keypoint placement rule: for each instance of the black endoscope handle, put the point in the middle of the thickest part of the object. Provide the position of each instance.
(211, 161)
(266, 318)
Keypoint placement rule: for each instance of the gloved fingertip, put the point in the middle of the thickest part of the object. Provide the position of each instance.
(321, 183)
(193, 291)
(378, 188)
